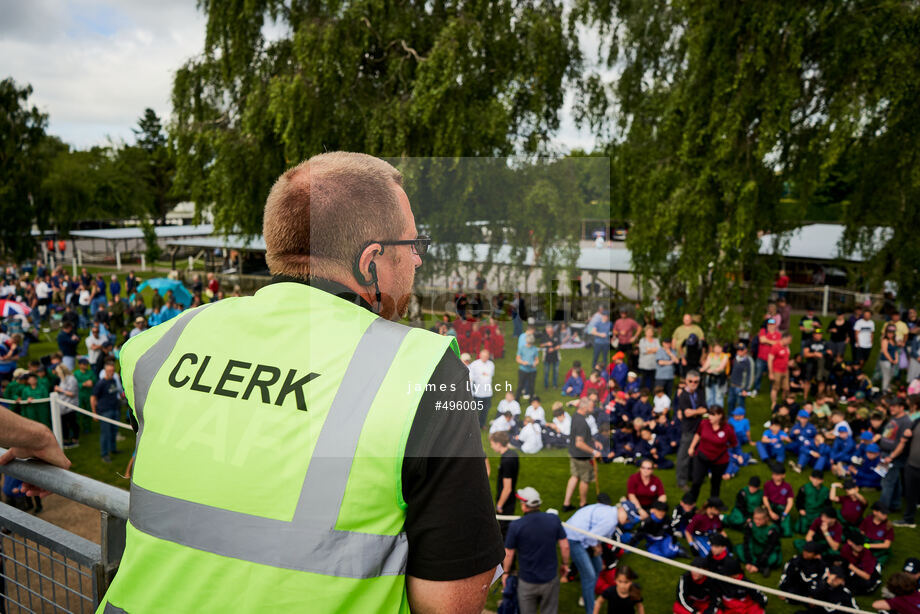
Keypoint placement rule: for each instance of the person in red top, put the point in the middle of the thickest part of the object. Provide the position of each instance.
(492, 339)
(852, 503)
(779, 498)
(879, 532)
(767, 338)
(644, 488)
(596, 384)
(778, 366)
(864, 572)
(905, 599)
(704, 525)
(713, 439)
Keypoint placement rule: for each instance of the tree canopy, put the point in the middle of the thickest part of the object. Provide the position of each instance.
(717, 105)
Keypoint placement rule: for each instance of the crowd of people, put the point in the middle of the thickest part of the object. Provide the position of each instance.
(680, 401)
(92, 313)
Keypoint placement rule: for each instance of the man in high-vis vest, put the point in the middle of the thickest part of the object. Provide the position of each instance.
(298, 450)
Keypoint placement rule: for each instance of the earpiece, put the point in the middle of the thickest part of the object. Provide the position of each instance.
(371, 268)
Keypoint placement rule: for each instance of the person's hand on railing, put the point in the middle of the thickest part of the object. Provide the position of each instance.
(29, 439)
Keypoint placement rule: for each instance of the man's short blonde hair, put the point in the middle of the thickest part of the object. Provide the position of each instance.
(320, 213)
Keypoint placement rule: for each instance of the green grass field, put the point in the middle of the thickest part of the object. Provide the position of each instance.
(548, 472)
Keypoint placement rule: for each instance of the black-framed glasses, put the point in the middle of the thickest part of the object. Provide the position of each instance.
(420, 244)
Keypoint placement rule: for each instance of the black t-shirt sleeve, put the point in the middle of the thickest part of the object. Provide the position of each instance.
(450, 516)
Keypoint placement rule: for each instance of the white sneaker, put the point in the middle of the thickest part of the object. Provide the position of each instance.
(581, 602)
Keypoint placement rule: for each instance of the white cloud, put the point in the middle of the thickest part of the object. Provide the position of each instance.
(95, 65)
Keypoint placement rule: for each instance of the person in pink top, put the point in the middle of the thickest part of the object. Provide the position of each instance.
(768, 338)
(627, 332)
(778, 365)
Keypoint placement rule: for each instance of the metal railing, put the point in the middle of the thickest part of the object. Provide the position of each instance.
(45, 568)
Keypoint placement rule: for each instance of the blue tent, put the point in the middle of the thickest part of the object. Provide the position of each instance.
(163, 285)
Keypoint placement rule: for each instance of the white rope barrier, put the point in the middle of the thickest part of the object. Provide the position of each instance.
(830, 607)
(57, 402)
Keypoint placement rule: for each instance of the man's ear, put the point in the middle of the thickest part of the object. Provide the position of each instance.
(364, 269)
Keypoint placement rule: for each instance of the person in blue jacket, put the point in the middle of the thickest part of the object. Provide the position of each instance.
(864, 472)
(741, 425)
(842, 449)
(773, 443)
(815, 453)
(802, 430)
(573, 386)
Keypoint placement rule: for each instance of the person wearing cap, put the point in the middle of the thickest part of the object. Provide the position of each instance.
(741, 424)
(140, 325)
(842, 448)
(817, 357)
(696, 593)
(898, 423)
(832, 589)
(768, 337)
(802, 573)
(618, 370)
(800, 432)
(740, 380)
(600, 335)
(533, 538)
(705, 525)
(912, 568)
(760, 551)
(747, 500)
(812, 497)
(879, 532)
(864, 574)
(904, 597)
(778, 498)
(864, 473)
(599, 518)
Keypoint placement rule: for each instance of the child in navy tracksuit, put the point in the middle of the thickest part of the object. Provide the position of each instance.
(640, 407)
(603, 437)
(815, 453)
(667, 432)
(648, 446)
(741, 425)
(737, 458)
(841, 450)
(863, 472)
(623, 442)
(656, 532)
(773, 443)
(801, 431)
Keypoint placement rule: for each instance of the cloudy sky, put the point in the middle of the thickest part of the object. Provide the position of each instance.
(95, 65)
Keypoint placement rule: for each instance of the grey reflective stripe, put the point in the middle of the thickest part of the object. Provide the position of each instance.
(279, 543)
(147, 366)
(111, 609)
(309, 542)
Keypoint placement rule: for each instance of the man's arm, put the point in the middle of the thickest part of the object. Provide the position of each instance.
(506, 492)
(26, 439)
(466, 596)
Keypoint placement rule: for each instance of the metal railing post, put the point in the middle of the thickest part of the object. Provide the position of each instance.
(56, 427)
